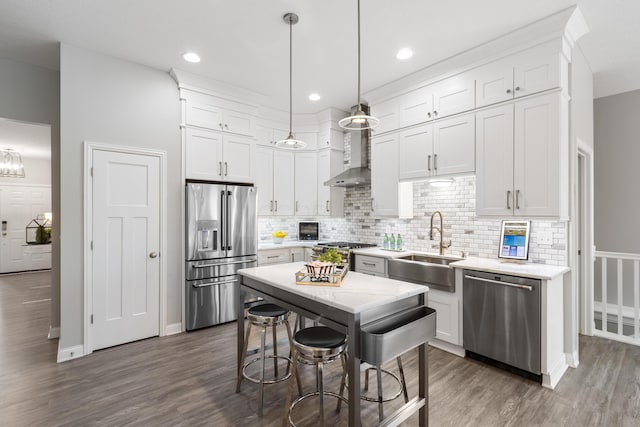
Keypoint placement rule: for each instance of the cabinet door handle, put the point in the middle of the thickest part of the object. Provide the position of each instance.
(220, 124)
(291, 257)
(276, 202)
(327, 206)
(226, 126)
(296, 206)
(435, 113)
(435, 162)
(270, 205)
(508, 90)
(220, 168)
(372, 204)
(508, 197)
(226, 169)
(517, 199)
(517, 88)
(429, 114)
(429, 162)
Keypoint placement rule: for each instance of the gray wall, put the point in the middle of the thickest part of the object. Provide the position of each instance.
(617, 172)
(32, 94)
(111, 101)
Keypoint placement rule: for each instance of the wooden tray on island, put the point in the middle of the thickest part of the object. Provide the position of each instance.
(305, 277)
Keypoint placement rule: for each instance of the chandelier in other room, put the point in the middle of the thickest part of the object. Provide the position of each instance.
(11, 164)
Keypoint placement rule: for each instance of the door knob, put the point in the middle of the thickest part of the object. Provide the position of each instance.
(153, 255)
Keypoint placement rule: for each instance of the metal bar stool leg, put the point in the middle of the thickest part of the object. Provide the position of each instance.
(343, 381)
(263, 338)
(366, 380)
(380, 409)
(320, 391)
(275, 351)
(292, 359)
(244, 357)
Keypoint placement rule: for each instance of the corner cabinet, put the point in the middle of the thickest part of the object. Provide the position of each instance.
(522, 158)
(445, 147)
(275, 181)
(389, 197)
(218, 157)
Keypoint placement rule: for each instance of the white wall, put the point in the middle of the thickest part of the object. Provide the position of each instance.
(617, 174)
(32, 94)
(107, 100)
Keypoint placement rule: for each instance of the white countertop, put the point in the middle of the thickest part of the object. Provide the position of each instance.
(358, 292)
(527, 269)
(268, 244)
(381, 253)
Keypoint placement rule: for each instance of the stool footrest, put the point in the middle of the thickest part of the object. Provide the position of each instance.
(273, 381)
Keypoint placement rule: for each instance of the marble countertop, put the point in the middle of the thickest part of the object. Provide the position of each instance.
(525, 269)
(358, 292)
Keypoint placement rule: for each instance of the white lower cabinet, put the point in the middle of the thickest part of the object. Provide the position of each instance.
(447, 306)
(374, 266)
(296, 254)
(284, 255)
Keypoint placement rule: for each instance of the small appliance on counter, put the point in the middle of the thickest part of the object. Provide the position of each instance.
(308, 231)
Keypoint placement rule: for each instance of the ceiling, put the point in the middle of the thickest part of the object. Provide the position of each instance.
(29, 139)
(245, 43)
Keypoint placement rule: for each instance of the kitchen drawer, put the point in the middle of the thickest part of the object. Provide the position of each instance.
(371, 265)
(274, 256)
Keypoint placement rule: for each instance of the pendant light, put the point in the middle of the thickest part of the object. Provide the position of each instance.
(11, 164)
(290, 141)
(359, 120)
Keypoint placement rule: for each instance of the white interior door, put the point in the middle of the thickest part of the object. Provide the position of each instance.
(126, 241)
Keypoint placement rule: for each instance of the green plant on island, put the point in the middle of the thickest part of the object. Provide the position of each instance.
(330, 255)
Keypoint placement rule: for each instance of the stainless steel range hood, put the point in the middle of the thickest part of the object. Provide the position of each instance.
(359, 172)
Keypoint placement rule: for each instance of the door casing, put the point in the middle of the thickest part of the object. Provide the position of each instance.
(89, 148)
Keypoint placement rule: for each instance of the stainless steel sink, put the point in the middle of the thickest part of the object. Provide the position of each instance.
(427, 270)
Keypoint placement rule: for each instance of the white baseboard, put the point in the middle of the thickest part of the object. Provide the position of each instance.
(69, 353)
(172, 329)
(54, 332)
(448, 347)
(573, 359)
(551, 379)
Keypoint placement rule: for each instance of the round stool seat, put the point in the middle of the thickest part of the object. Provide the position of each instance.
(267, 314)
(319, 342)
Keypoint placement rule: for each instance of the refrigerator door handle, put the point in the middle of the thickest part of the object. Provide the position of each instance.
(223, 219)
(228, 246)
(214, 283)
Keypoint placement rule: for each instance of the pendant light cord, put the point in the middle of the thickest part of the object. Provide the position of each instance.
(290, 77)
(358, 103)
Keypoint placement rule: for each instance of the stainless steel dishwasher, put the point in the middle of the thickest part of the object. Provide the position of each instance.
(501, 319)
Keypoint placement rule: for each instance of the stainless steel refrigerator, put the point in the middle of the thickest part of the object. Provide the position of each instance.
(221, 238)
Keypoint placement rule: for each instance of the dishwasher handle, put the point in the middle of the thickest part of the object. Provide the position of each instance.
(498, 282)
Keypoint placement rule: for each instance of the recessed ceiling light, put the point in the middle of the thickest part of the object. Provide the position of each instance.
(314, 97)
(191, 57)
(404, 53)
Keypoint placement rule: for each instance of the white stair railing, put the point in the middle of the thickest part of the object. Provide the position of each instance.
(617, 312)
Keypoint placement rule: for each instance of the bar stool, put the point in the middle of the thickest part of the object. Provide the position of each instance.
(318, 345)
(380, 399)
(264, 316)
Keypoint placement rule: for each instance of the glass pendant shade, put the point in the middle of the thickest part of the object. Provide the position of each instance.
(11, 164)
(290, 141)
(359, 120)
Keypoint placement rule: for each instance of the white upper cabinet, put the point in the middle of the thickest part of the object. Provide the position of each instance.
(329, 137)
(389, 197)
(311, 138)
(306, 183)
(264, 135)
(516, 77)
(264, 180)
(330, 199)
(214, 113)
(444, 147)
(454, 145)
(275, 181)
(416, 107)
(453, 95)
(217, 157)
(520, 159)
(450, 96)
(203, 155)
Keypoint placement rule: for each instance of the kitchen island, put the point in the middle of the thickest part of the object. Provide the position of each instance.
(360, 300)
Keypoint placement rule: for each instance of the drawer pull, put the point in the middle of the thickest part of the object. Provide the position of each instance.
(373, 264)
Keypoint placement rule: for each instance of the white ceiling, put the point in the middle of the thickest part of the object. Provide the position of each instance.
(29, 139)
(245, 43)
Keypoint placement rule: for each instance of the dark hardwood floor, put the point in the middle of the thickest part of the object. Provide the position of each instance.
(189, 380)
